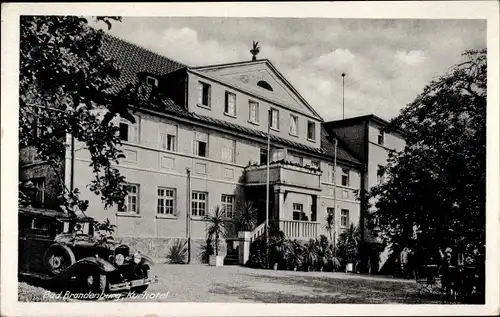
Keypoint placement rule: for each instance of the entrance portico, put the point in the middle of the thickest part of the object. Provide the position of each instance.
(293, 197)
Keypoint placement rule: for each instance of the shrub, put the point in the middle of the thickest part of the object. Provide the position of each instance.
(258, 254)
(293, 254)
(177, 253)
(316, 254)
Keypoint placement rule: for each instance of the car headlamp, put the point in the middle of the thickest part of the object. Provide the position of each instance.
(119, 259)
(137, 257)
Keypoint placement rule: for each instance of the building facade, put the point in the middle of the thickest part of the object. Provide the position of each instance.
(365, 136)
(207, 148)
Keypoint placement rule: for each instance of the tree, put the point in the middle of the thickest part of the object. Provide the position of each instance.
(64, 80)
(434, 196)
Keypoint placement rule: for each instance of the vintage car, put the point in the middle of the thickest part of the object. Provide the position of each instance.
(53, 245)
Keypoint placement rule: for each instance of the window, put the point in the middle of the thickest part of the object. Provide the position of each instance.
(265, 85)
(227, 202)
(296, 159)
(297, 211)
(166, 201)
(315, 164)
(380, 174)
(263, 156)
(345, 177)
(129, 132)
(331, 211)
(274, 119)
(200, 144)
(40, 224)
(151, 81)
(229, 151)
(39, 196)
(344, 218)
(199, 203)
(278, 154)
(168, 142)
(168, 136)
(132, 199)
(230, 105)
(204, 97)
(311, 130)
(381, 137)
(294, 124)
(253, 112)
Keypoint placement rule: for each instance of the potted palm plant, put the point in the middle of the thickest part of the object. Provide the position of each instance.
(351, 241)
(245, 218)
(216, 228)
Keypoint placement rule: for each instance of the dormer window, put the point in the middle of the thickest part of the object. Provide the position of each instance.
(264, 84)
(311, 131)
(151, 81)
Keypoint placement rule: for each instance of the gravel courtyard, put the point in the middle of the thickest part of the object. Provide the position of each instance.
(202, 283)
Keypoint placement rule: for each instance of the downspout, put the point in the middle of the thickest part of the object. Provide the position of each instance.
(188, 214)
(72, 178)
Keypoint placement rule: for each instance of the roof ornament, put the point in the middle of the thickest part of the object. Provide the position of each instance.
(255, 50)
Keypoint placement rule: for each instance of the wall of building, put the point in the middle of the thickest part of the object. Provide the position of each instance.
(345, 195)
(326, 202)
(379, 154)
(30, 168)
(242, 111)
(143, 166)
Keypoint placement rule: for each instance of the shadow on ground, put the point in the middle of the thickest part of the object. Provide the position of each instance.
(305, 289)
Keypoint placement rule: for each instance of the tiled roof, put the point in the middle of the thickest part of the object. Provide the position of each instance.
(328, 146)
(134, 59)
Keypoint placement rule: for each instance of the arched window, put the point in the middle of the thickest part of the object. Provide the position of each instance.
(265, 85)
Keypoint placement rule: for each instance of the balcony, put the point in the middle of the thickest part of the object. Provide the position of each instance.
(284, 173)
(294, 229)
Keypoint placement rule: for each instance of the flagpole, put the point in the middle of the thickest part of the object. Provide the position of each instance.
(335, 195)
(343, 76)
(269, 118)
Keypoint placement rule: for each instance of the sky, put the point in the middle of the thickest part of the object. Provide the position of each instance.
(387, 62)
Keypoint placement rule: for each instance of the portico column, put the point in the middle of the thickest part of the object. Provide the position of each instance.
(279, 198)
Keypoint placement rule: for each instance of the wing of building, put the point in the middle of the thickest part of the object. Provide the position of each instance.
(206, 146)
(367, 138)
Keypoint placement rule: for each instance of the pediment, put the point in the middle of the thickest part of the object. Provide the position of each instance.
(261, 79)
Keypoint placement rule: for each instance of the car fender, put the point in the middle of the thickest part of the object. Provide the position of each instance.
(99, 263)
(146, 260)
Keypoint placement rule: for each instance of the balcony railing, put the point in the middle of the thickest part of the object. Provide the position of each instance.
(295, 229)
(284, 173)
